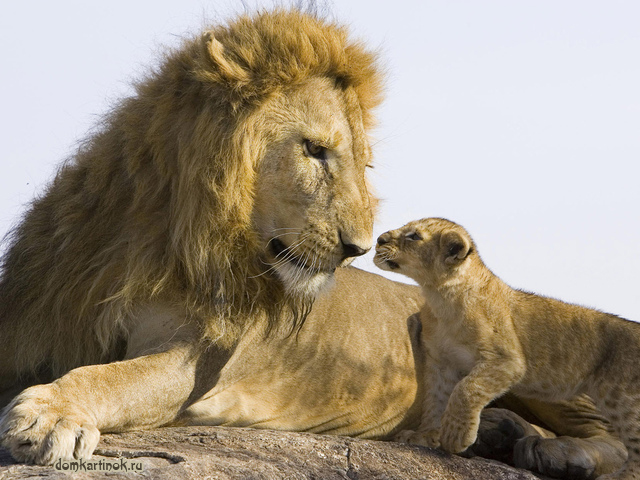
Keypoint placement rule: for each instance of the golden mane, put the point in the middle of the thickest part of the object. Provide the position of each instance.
(158, 202)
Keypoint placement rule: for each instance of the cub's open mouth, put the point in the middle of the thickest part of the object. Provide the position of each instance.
(382, 262)
(392, 265)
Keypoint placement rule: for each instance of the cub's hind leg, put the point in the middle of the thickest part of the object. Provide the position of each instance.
(623, 411)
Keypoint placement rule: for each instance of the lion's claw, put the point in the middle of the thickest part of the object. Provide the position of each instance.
(36, 429)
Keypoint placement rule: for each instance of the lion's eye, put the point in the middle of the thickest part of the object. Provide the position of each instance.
(312, 149)
(413, 236)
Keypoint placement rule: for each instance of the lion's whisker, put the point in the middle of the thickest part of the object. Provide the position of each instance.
(278, 236)
(283, 257)
(291, 248)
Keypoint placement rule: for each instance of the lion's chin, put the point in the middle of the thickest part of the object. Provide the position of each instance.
(301, 282)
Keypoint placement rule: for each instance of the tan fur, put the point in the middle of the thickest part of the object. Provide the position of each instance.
(180, 196)
(160, 202)
(153, 250)
(489, 339)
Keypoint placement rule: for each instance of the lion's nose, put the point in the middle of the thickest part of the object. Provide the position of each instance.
(351, 249)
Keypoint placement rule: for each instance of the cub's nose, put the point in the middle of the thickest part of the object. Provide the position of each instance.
(384, 238)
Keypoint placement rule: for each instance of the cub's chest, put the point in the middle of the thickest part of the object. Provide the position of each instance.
(452, 349)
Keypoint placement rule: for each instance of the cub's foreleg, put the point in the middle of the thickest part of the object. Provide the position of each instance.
(439, 383)
(487, 380)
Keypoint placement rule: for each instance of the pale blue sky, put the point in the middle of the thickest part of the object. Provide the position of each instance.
(518, 119)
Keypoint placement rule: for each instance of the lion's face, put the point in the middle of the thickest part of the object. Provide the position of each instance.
(313, 210)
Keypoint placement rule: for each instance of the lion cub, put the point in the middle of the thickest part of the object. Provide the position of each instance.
(488, 339)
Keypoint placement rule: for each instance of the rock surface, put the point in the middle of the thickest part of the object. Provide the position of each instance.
(239, 453)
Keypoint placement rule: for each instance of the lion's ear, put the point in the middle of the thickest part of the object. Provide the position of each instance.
(454, 247)
(229, 69)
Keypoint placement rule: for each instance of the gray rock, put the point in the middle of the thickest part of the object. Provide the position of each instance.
(242, 453)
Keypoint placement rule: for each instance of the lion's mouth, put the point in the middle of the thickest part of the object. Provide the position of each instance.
(282, 252)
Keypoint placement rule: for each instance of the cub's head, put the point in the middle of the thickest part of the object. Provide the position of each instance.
(430, 251)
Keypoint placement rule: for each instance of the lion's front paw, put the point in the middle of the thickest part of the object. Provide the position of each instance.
(426, 438)
(39, 427)
(456, 436)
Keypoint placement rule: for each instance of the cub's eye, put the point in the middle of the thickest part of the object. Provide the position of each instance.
(413, 236)
(312, 149)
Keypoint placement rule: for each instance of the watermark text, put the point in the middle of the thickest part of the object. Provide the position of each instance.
(102, 465)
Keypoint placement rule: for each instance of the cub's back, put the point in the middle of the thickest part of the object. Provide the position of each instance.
(580, 341)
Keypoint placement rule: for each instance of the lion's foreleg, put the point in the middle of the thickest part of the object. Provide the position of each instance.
(64, 419)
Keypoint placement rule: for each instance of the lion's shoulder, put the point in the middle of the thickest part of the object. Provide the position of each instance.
(362, 291)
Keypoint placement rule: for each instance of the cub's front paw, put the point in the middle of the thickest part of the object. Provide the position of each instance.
(39, 426)
(456, 436)
(426, 438)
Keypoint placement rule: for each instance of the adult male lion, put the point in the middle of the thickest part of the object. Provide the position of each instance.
(161, 275)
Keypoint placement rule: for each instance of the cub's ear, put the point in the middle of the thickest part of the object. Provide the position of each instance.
(454, 247)
(228, 69)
